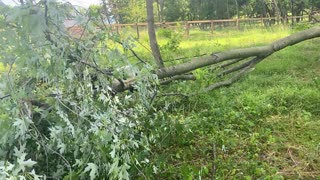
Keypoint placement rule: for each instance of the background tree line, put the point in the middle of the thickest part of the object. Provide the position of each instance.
(131, 11)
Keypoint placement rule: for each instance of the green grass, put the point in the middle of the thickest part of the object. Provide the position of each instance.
(265, 126)
(2, 68)
(200, 42)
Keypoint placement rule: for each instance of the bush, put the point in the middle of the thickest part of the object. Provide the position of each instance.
(165, 33)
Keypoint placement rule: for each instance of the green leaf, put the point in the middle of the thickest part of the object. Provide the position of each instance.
(93, 168)
(28, 163)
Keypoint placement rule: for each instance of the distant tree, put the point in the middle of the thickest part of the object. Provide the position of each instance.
(176, 10)
(126, 11)
(134, 11)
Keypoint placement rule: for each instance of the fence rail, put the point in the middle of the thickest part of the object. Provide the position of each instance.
(187, 24)
(205, 24)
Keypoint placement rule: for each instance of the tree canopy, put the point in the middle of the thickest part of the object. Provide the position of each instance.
(182, 10)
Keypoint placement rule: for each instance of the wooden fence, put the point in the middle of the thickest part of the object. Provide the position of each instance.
(210, 24)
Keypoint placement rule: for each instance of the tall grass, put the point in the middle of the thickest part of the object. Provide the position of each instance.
(262, 127)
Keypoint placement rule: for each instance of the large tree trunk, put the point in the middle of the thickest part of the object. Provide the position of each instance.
(152, 35)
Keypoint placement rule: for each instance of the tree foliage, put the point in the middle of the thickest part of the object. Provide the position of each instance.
(61, 117)
(180, 10)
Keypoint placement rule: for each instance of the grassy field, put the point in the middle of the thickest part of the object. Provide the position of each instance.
(265, 126)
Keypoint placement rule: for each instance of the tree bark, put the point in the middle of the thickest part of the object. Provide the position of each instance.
(152, 35)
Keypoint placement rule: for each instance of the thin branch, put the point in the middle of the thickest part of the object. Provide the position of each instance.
(234, 61)
(145, 47)
(290, 154)
(231, 62)
(6, 96)
(178, 77)
(175, 94)
(236, 77)
(214, 168)
(85, 28)
(105, 72)
(229, 81)
(132, 51)
(236, 68)
(154, 96)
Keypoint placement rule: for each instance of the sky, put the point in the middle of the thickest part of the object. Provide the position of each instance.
(82, 3)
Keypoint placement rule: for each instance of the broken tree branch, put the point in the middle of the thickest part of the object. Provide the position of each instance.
(235, 77)
(236, 68)
(234, 55)
(263, 51)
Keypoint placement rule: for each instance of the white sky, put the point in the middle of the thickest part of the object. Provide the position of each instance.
(82, 3)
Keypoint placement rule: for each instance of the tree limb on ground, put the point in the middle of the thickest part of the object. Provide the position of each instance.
(233, 56)
(257, 54)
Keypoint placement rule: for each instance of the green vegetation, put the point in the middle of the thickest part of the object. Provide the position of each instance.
(265, 126)
(94, 106)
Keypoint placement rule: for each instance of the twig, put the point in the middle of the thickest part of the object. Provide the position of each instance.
(154, 96)
(290, 154)
(143, 46)
(236, 68)
(4, 97)
(294, 173)
(175, 94)
(106, 72)
(235, 77)
(132, 51)
(144, 176)
(214, 168)
(85, 27)
(178, 77)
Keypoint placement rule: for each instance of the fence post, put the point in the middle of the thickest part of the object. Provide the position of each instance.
(117, 28)
(212, 27)
(187, 25)
(237, 24)
(138, 33)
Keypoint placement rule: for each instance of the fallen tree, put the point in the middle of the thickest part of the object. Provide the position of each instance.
(249, 57)
(64, 102)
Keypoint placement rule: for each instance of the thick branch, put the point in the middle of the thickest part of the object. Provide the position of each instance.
(238, 53)
(236, 68)
(236, 77)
